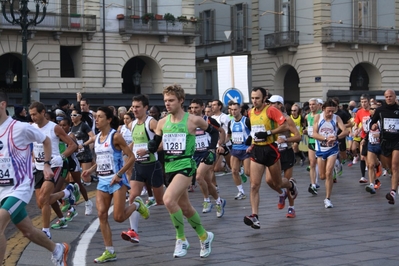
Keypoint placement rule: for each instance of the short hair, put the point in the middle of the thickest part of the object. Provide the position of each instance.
(3, 96)
(109, 113)
(141, 98)
(234, 103)
(156, 107)
(313, 100)
(130, 114)
(220, 104)
(262, 90)
(197, 101)
(365, 96)
(85, 100)
(176, 90)
(39, 107)
(329, 103)
(336, 99)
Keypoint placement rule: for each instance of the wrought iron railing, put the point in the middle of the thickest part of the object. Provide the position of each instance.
(282, 39)
(57, 22)
(359, 35)
(158, 27)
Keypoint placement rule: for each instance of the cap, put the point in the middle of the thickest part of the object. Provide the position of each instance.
(276, 98)
(59, 112)
(320, 101)
(59, 118)
(18, 109)
(354, 110)
(63, 102)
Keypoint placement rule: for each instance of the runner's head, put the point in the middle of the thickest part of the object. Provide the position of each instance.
(173, 96)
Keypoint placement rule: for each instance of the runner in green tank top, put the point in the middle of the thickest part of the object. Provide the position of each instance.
(177, 132)
(313, 106)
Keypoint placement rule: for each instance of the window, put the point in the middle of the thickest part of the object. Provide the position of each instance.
(69, 55)
(141, 7)
(208, 82)
(286, 22)
(364, 18)
(208, 26)
(239, 27)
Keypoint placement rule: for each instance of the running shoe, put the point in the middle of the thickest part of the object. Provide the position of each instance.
(151, 202)
(76, 192)
(191, 188)
(312, 190)
(293, 189)
(142, 209)
(291, 213)
(327, 204)
(105, 257)
(339, 169)
(252, 220)
(391, 197)
(72, 213)
(207, 207)
(363, 180)
(377, 184)
(302, 162)
(48, 234)
(370, 188)
(206, 245)
(335, 179)
(62, 259)
(308, 168)
(144, 191)
(240, 196)
(60, 224)
(86, 184)
(217, 189)
(220, 208)
(384, 172)
(71, 197)
(181, 248)
(88, 207)
(130, 235)
(244, 177)
(317, 185)
(281, 200)
(355, 159)
(378, 170)
(65, 206)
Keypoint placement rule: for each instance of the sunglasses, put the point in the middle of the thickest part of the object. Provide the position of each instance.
(75, 115)
(294, 110)
(372, 108)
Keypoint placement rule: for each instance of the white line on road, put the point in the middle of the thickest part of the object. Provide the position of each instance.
(81, 249)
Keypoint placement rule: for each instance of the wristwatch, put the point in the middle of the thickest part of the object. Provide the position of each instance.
(47, 162)
(119, 175)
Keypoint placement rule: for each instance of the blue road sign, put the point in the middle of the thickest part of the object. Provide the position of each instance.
(232, 94)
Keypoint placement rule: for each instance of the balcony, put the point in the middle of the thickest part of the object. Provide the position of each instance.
(57, 23)
(162, 28)
(282, 39)
(354, 36)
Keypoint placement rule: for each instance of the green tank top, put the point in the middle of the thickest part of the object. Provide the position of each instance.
(310, 119)
(178, 145)
(140, 141)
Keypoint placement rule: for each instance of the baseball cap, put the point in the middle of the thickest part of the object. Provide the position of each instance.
(320, 101)
(276, 98)
(354, 110)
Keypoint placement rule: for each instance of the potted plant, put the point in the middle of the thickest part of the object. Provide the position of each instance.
(158, 17)
(147, 17)
(134, 16)
(120, 16)
(193, 19)
(169, 18)
(182, 19)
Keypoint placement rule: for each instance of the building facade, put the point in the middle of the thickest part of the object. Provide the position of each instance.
(95, 47)
(319, 48)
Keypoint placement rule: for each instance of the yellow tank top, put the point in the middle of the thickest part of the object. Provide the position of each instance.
(261, 123)
(298, 125)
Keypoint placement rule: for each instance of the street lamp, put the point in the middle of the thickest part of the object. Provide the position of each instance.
(24, 22)
(9, 77)
(136, 78)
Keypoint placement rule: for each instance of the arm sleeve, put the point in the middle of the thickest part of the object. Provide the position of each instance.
(214, 136)
(228, 128)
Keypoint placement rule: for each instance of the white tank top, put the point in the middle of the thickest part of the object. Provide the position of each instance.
(126, 134)
(109, 160)
(326, 129)
(38, 150)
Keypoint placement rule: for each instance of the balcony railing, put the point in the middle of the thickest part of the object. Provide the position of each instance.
(359, 35)
(158, 27)
(282, 39)
(57, 22)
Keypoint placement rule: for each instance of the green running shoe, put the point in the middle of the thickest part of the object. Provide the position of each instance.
(60, 224)
(142, 209)
(105, 257)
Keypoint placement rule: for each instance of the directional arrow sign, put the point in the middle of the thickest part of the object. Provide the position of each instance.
(232, 94)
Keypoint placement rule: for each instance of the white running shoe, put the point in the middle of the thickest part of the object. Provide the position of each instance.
(88, 207)
(327, 204)
(61, 259)
(181, 248)
(206, 245)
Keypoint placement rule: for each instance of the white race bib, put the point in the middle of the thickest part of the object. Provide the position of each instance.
(391, 124)
(105, 164)
(174, 143)
(310, 131)
(38, 151)
(237, 137)
(138, 146)
(201, 142)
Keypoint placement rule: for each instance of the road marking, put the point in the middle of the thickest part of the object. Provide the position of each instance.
(85, 240)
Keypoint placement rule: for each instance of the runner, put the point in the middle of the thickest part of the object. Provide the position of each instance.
(177, 132)
(113, 184)
(17, 181)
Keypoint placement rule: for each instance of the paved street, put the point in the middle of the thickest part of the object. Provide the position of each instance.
(359, 230)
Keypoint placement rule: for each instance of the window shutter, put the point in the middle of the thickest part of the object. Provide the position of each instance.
(202, 28)
(213, 26)
(245, 29)
(233, 28)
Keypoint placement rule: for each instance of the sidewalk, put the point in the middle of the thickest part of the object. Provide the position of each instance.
(359, 230)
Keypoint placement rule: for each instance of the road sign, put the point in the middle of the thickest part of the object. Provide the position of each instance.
(234, 95)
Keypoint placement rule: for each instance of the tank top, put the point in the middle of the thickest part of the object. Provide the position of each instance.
(109, 160)
(286, 134)
(326, 128)
(261, 123)
(202, 138)
(310, 119)
(178, 144)
(298, 124)
(141, 134)
(239, 133)
(126, 134)
(16, 177)
(38, 150)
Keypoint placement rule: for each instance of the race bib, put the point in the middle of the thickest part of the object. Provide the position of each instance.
(310, 131)
(5, 168)
(255, 129)
(201, 142)
(139, 146)
(237, 137)
(374, 137)
(391, 124)
(80, 142)
(38, 151)
(105, 164)
(174, 143)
